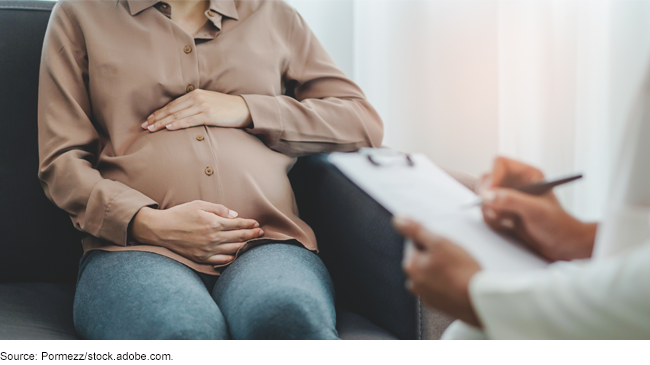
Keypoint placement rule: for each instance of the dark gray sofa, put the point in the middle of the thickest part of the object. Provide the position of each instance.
(40, 248)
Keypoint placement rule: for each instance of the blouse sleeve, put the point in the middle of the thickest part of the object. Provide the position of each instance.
(328, 113)
(69, 143)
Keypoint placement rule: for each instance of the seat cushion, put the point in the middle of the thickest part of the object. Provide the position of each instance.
(36, 311)
(352, 326)
(43, 311)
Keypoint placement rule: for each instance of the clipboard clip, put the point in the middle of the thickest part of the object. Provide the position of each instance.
(384, 157)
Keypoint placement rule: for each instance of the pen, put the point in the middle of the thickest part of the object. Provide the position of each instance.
(538, 188)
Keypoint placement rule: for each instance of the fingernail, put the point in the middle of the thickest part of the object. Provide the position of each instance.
(150, 127)
(409, 250)
(144, 125)
(256, 225)
(488, 196)
(261, 232)
(507, 223)
(168, 126)
(232, 214)
(408, 284)
(490, 213)
(400, 221)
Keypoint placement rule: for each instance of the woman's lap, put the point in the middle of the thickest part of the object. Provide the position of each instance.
(271, 291)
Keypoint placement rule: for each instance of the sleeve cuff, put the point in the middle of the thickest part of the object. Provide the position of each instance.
(506, 305)
(267, 118)
(111, 208)
(119, 214)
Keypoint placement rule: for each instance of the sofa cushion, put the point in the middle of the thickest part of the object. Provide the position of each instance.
(352, 326)
(36, 311)
(43, 311)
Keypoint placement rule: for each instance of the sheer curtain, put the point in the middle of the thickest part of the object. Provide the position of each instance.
(430, 68)
(547, 82)
(568, 74)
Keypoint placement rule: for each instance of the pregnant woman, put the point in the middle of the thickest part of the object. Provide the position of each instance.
(166, 131)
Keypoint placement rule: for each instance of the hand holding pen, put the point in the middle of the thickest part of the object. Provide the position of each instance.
(517, 201)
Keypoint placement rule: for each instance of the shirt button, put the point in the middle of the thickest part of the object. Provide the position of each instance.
(187, 49)
(209, 171)
(189, 88)
(164, 6)
(199, 137)
(211, 13)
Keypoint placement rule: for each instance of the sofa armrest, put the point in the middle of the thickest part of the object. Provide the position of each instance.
(361, 250)
(358, 245)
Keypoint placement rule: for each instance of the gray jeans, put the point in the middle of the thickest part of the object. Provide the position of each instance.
(274, 291)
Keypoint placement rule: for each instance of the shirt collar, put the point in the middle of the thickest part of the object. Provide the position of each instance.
(223, 7)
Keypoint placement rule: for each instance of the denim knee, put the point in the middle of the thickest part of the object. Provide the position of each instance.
(193, 330)
(289, 313)
(153, 328)
(141, 295)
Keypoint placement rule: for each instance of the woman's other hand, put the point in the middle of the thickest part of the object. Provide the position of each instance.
(203, 232)
(201, 107)
(438, 271)
(539, 221)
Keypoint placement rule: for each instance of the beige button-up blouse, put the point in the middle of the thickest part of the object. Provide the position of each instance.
(108, 64)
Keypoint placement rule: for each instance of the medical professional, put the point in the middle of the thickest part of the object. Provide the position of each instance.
(599, 284)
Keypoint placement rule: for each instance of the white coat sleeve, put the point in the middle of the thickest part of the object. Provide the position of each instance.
(606, 299)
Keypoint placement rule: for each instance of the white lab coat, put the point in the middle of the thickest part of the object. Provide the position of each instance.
(606, 297)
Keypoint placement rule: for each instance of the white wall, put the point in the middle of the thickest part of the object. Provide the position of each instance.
(331, 21)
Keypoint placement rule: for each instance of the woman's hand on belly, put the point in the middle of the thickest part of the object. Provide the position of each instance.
(201, 107)
(203, 232)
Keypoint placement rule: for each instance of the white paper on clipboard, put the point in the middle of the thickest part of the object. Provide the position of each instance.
(429, 195)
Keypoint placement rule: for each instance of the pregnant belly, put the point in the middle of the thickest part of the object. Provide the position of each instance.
(219, 165)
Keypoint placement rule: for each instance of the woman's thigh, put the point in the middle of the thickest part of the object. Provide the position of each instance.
(277, 291)
(142, 295)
